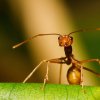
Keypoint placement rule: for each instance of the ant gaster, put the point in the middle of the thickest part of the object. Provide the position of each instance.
(74, 73)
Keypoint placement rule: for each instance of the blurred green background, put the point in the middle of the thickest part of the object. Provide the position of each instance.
(20, 19)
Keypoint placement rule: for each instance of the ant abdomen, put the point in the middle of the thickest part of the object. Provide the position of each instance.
(74, 75)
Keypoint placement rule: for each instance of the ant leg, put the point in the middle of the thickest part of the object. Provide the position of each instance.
(90, 60)
(33, 71)
(57, 60)
(97, 74)
(79, 65)
(46, 76)
(60, 73)
(82, 76)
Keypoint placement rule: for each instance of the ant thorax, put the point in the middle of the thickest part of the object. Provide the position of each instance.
(65, 40)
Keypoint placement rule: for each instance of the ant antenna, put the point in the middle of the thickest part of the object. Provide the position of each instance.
(85, 30)
(81, 30)
(19, 44)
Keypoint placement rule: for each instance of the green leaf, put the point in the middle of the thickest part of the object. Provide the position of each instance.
(33, 91)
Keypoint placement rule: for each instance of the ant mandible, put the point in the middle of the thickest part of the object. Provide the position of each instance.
(74, 73)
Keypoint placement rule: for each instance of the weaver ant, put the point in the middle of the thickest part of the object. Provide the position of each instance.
(74, 73)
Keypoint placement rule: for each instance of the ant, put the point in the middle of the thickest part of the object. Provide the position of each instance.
(74, 73)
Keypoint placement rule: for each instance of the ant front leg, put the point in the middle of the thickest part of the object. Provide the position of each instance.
(57, 60)
(60, 61)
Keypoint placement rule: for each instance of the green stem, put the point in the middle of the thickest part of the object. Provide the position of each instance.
(33, 91)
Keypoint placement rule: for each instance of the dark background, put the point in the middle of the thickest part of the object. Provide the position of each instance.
(16, 64)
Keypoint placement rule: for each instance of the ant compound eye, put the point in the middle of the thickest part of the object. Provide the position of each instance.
(71, 38)
(59, 37)
(60, 43)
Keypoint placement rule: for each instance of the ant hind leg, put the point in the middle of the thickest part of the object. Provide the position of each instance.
(81, 76)
(90, 60)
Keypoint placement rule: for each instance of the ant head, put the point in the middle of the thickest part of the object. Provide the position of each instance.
(65, 40)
